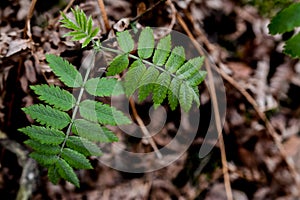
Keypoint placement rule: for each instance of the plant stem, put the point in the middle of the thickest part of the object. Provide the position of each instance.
(137, 58)
(78, 101)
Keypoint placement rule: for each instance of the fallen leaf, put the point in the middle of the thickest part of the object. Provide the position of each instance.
(23, 11)
(24, 83)
(18, 45)
(30, 72)
(240, 70)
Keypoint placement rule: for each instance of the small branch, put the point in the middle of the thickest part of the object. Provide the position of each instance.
(146, 11)
(137, 58)
(28, 180)
(68, 6)
(104, 15)
(53, 21)
(27, 28)
(173, 14)
(270, 129)
(29, 172)
(215, 108)
(144, 129)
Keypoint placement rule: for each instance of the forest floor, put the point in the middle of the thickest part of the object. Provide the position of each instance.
(261, 128)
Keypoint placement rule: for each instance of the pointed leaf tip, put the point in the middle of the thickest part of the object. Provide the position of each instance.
(64, 70)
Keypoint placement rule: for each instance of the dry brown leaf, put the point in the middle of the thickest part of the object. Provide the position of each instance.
(29, 71)
(24, 83)
(118, 9)
(122, 24)
(260, 83)
(4, 72)
(279, 83)
(240, 70)
(4, 41)
(23, 11)
(7, 11)
(218, 192)
(18, 45)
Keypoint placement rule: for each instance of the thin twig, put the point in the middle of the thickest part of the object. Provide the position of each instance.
(104, 15)
(144, 129)
(27, 28)
(146, 11)
(68, 6)
(29, 172)
(90, 65)
(173, 15)
(215, 108)
(53, 21)
(270, 129)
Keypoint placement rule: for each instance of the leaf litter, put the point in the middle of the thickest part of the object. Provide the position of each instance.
(252, 57)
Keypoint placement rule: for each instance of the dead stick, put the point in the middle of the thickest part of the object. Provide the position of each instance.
(68, 6)
(53, 21)
(144, 129)
(146, 11)
(27, 28)
(216, 109)
(104, 14)
(270, 129)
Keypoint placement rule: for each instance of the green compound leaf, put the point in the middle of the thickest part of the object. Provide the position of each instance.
(75, 159)
(65, 71)
(60, 152)
(292, 46)
(66, 172)
(44, 159)
(102, 113)
(147, 82)
(161, 88)
(286, 20)
(44, 135)
(53, 174)
(104, 87)
(53, 95)
(125, 41)
(162, 51)
(176, 59)
(82, 27)
(43, 148)
(156, 77)
(133, 77)
(83, 146)
(93, 131)
(146, 43)
(118, 64)
(48, 116)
